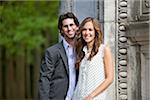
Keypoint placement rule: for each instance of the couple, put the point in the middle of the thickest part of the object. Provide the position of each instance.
(80, 66)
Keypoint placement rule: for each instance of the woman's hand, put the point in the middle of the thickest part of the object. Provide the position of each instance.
(88, 97)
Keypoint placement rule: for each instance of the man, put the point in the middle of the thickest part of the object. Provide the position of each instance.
(57, 73)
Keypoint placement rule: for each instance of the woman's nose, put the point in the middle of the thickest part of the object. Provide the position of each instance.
(87, 32)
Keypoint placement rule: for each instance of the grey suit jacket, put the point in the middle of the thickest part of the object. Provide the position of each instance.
(54, 77)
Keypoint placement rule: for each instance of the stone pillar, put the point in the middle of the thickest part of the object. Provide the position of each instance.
(121, 50)
(109, 39)
(133, 49)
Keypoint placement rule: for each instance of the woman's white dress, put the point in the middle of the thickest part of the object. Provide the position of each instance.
(91, 75)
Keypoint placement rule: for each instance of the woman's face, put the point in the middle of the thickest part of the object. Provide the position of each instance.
(88, 32)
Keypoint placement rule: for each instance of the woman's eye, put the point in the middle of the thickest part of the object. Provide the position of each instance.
(90, 29)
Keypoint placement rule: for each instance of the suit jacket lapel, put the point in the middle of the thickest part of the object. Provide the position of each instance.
(64, 56)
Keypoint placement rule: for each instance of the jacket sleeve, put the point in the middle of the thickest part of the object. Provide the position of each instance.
(46, 70)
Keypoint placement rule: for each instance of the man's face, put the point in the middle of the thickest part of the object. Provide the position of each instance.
(69, 28)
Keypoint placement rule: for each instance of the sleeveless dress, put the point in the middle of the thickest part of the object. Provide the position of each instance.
(91, 75)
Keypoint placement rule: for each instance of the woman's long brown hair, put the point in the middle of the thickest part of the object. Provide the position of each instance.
(80, 43)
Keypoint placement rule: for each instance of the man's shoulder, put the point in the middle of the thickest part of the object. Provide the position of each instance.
(54, 47)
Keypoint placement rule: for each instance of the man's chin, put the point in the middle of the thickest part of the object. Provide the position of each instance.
(72, 37)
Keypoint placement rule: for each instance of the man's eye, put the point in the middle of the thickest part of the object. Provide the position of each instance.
(65, 25)
(71, 24)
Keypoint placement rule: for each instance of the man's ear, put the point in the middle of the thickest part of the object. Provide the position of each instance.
(77, 29)
(61, 32)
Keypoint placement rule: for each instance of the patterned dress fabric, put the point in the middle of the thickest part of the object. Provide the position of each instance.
(91, 75)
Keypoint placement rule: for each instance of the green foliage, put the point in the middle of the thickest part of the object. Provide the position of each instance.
(24, 24)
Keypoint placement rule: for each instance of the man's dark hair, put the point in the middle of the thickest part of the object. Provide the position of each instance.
(65, 16)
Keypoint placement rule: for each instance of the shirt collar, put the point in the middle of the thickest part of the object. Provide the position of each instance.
(65, 43)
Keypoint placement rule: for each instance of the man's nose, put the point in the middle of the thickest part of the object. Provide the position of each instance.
(69, 27)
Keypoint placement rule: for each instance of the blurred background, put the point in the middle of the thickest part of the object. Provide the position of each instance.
(26, 29)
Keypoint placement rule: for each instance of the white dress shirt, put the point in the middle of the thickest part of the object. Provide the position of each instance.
(72, 72)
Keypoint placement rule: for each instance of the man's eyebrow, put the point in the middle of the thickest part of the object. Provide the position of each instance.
(68, 25)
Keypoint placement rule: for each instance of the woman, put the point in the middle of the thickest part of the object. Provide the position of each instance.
(94, 62)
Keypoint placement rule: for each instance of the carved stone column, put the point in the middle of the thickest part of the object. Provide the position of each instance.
(133, 49)
(122, 50)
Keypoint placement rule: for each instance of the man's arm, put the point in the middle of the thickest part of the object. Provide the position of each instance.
(46, 70)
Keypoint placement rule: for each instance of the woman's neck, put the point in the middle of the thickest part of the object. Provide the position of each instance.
(89, 47)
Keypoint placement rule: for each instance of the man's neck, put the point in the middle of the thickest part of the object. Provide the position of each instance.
(70, 42)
